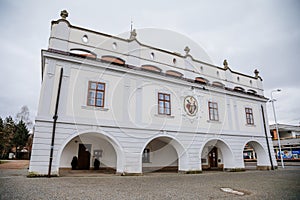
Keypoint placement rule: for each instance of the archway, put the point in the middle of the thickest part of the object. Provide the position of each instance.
(88, 147)
(216, 155)
(255, 156)
(163, 153)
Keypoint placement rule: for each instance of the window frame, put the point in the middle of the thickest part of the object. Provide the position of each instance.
(164, 101)
(249, 116)
(213, 111)
(95, 91)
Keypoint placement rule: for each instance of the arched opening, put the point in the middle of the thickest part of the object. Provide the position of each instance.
(239, 89)
(151, 68)
(201, 80)
(255, 156)
(174, 73)
(113, 60)
(216, 155)
(251, 91)
(218, 84)
(87, 148)
(83, 53)
(163, 154)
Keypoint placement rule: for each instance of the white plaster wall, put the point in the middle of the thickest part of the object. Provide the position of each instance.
(139, 100)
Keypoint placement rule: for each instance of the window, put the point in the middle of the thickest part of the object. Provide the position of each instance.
(151, 68)
(85, 39)
(146, 156)
(174, 73)
(83, 53)
(201, 80)
(249, 116)
(152, 56)
(113, 60)
(213, 111)
(96, 94)
(164, 104)
(174, 61)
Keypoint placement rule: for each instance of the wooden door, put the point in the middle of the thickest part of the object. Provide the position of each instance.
(84, 156)
(213, 158)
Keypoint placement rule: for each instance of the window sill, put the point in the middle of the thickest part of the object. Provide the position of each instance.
(214, 121)
(164, 116)
(94, 108)
(250, 125)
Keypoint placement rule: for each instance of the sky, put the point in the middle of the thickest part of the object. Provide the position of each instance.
(250, 34)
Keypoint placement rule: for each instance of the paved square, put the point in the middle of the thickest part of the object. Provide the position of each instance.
(278, 184)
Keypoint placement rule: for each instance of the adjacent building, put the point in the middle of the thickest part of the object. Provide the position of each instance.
(138, 108)
(289, 140)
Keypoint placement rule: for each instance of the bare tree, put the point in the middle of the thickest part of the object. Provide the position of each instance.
(24, 115)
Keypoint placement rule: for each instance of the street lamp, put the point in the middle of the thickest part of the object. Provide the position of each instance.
(276, 125)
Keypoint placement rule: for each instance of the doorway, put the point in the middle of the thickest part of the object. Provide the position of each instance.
(84, 156)
(213, 158)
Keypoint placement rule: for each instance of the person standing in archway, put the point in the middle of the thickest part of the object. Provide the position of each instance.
(74, 163)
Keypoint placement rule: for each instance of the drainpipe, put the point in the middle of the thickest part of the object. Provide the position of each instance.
(54, 123)
(266, 133)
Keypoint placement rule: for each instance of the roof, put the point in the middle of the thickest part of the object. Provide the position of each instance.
(285, 127)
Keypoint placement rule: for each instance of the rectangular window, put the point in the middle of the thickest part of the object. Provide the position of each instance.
(164, 104)
(213, 111)
(249, 116)
(146, 156)
(96, 94)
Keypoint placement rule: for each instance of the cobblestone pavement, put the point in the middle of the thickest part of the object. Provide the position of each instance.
(278, 184)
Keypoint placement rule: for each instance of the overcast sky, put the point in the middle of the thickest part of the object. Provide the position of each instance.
(250, 34)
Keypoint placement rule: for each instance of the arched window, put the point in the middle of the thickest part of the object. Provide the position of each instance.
(113, 59)
(240, 89)
(218, 84)
(201, 80)
(151, 68)
(251, 91)
(174, 73)
(83, 53)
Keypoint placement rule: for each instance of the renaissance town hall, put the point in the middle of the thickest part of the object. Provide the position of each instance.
(135, 108)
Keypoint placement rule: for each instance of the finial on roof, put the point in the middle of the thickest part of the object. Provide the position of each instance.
(256, 72)
(187, 50)
(64, 14)
(225, 63)
(133, 34)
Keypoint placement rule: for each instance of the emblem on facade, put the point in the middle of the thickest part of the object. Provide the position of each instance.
(190, 105)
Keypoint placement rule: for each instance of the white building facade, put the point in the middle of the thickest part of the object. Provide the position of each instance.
(138, 108)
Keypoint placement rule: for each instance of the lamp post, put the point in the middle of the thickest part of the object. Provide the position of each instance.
(276, 125)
